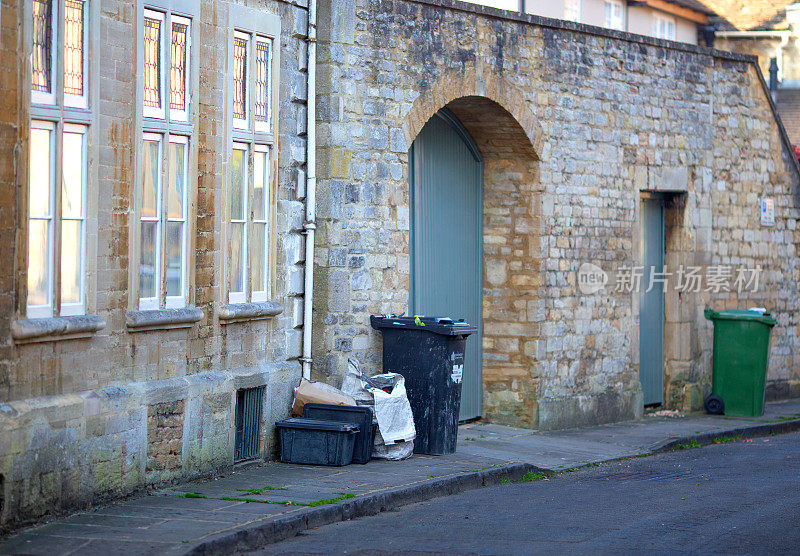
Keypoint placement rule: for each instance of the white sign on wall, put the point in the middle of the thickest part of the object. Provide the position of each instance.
(767, 212)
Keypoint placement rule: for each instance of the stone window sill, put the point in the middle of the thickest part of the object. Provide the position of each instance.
(56, 328)
(237, 312)
(162, 319)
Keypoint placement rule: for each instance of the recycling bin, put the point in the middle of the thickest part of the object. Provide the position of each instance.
(429, 353)
(740, 358)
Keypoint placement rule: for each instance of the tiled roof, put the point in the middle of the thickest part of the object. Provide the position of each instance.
(744, 15)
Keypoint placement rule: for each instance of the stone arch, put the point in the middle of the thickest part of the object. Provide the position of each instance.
(452, 87)
(509, 139)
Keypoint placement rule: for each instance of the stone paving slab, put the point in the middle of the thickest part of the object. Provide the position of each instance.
(169, 522)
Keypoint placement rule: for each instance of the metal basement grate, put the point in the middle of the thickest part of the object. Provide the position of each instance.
(640, 476)
(248, 422)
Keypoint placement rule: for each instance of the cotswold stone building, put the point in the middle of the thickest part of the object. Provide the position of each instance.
(149, 236)
(460, 141)
(471, 162)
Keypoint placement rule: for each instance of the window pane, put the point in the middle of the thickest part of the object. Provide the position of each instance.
(38, 261)
(71, 241)
(261, 109)
(236, 257)
(177, 72)
(147, 261)
(73, 47)
(152, 62)
(239, 78)
(260, 185)
(150, 174)
(72, 182)
(259, 251)
(40, 168)
(41, 58)
(174, 258)
(176, 195)
(238, 188)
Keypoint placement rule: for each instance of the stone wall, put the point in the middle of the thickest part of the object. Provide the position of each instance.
(100, 413)
(596, 119)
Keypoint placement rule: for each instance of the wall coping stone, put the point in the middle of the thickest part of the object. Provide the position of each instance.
(249, 311)
(547, 22)
(163, 318)
(541, 21)
(56, 328)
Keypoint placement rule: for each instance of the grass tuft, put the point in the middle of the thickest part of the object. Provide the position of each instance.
(725, 439)
(342, 496)
(689, 445)
(532, 476)
(257, 491)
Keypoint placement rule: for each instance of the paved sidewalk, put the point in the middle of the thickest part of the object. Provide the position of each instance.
(273, 501)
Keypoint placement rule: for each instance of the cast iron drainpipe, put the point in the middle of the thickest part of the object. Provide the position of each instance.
(310, 223)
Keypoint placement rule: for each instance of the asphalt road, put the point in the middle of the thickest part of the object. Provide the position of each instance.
(739, 497)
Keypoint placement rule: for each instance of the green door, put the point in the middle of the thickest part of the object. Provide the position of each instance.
(651, 310)
(446, 200)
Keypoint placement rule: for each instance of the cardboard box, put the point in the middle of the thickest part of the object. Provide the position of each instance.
(318, 392)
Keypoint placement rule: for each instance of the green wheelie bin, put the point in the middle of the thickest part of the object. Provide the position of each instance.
(741, 353)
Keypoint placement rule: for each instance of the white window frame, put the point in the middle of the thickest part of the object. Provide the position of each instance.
(256, 138)
(164, 57)
(175, 301)
(262, 295)
(239, 123)
(181, 115)
(611, 21)
(569, 6)
(40, 97)
(267, 125)
(241, 296)
(60, 113)
(168, 126)
(81, 101)
(79, 308)
(46, 310)
(667, 23)
(148, 303)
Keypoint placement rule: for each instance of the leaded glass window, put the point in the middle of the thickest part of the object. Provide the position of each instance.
(177, 76)
(152, 60)
(42, 48)
(73, 47)
(240, 77)
(262, 61)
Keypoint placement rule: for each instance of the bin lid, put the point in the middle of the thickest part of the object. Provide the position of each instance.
(316, 424)
(444, 326)
(735, 314)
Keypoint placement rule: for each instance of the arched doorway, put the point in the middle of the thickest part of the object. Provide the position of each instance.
(446, 200)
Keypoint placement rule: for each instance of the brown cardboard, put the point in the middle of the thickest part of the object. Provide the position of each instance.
(318, 392)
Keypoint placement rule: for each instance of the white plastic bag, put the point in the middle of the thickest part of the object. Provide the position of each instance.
(394, 439)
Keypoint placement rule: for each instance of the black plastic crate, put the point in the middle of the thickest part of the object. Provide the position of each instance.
(359, 415)
(316, 442)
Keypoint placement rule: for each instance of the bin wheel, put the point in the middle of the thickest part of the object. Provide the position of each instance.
(714, 405)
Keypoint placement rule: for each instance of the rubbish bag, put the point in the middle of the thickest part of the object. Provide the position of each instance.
(386, 394)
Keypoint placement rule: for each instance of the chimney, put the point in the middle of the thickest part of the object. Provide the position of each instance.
(773, 78)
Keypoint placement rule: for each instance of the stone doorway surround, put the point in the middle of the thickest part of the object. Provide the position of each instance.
(509, 138)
